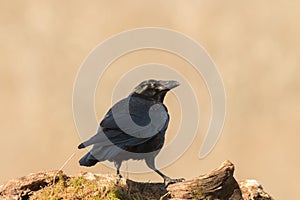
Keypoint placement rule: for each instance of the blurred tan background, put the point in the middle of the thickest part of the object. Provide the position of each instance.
(254, 44)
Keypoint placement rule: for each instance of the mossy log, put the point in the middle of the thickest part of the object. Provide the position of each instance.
(216, 185)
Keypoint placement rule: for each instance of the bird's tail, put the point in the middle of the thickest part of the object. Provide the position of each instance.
(88, 160)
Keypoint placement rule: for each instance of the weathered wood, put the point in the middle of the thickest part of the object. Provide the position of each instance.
(252, 190)
(23, 187)
(218, 184)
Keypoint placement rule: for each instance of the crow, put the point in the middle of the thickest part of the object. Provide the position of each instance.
(134, 128)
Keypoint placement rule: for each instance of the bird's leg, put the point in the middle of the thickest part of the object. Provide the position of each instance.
(167, 180)
(118, 173)
(118, 165)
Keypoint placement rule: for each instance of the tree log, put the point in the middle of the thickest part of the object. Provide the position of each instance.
(216, 185)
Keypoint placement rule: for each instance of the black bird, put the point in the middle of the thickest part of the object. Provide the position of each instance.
(134, 128)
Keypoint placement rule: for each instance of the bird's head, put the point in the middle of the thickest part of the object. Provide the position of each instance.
(154, 89)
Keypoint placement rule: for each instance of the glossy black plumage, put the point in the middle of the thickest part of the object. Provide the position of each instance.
(134, 128)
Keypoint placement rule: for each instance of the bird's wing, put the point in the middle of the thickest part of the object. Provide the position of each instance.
(137, 119)
(114, 129)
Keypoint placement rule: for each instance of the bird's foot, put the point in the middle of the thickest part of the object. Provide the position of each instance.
(118, 179)
(119, 176)
(168, 180)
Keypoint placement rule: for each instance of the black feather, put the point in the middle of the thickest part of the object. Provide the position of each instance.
(116, 139)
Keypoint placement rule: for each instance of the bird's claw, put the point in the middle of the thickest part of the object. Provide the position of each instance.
(168, 181)
(119, 176)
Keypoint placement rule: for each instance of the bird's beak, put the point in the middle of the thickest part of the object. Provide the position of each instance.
(169, 84)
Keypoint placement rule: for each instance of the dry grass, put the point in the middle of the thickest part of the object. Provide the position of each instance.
(80, 187)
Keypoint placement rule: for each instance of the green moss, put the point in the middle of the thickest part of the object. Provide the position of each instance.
(77, 182)
(81, 188)
(197, 193)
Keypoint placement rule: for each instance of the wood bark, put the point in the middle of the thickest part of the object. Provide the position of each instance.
(218, 184)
